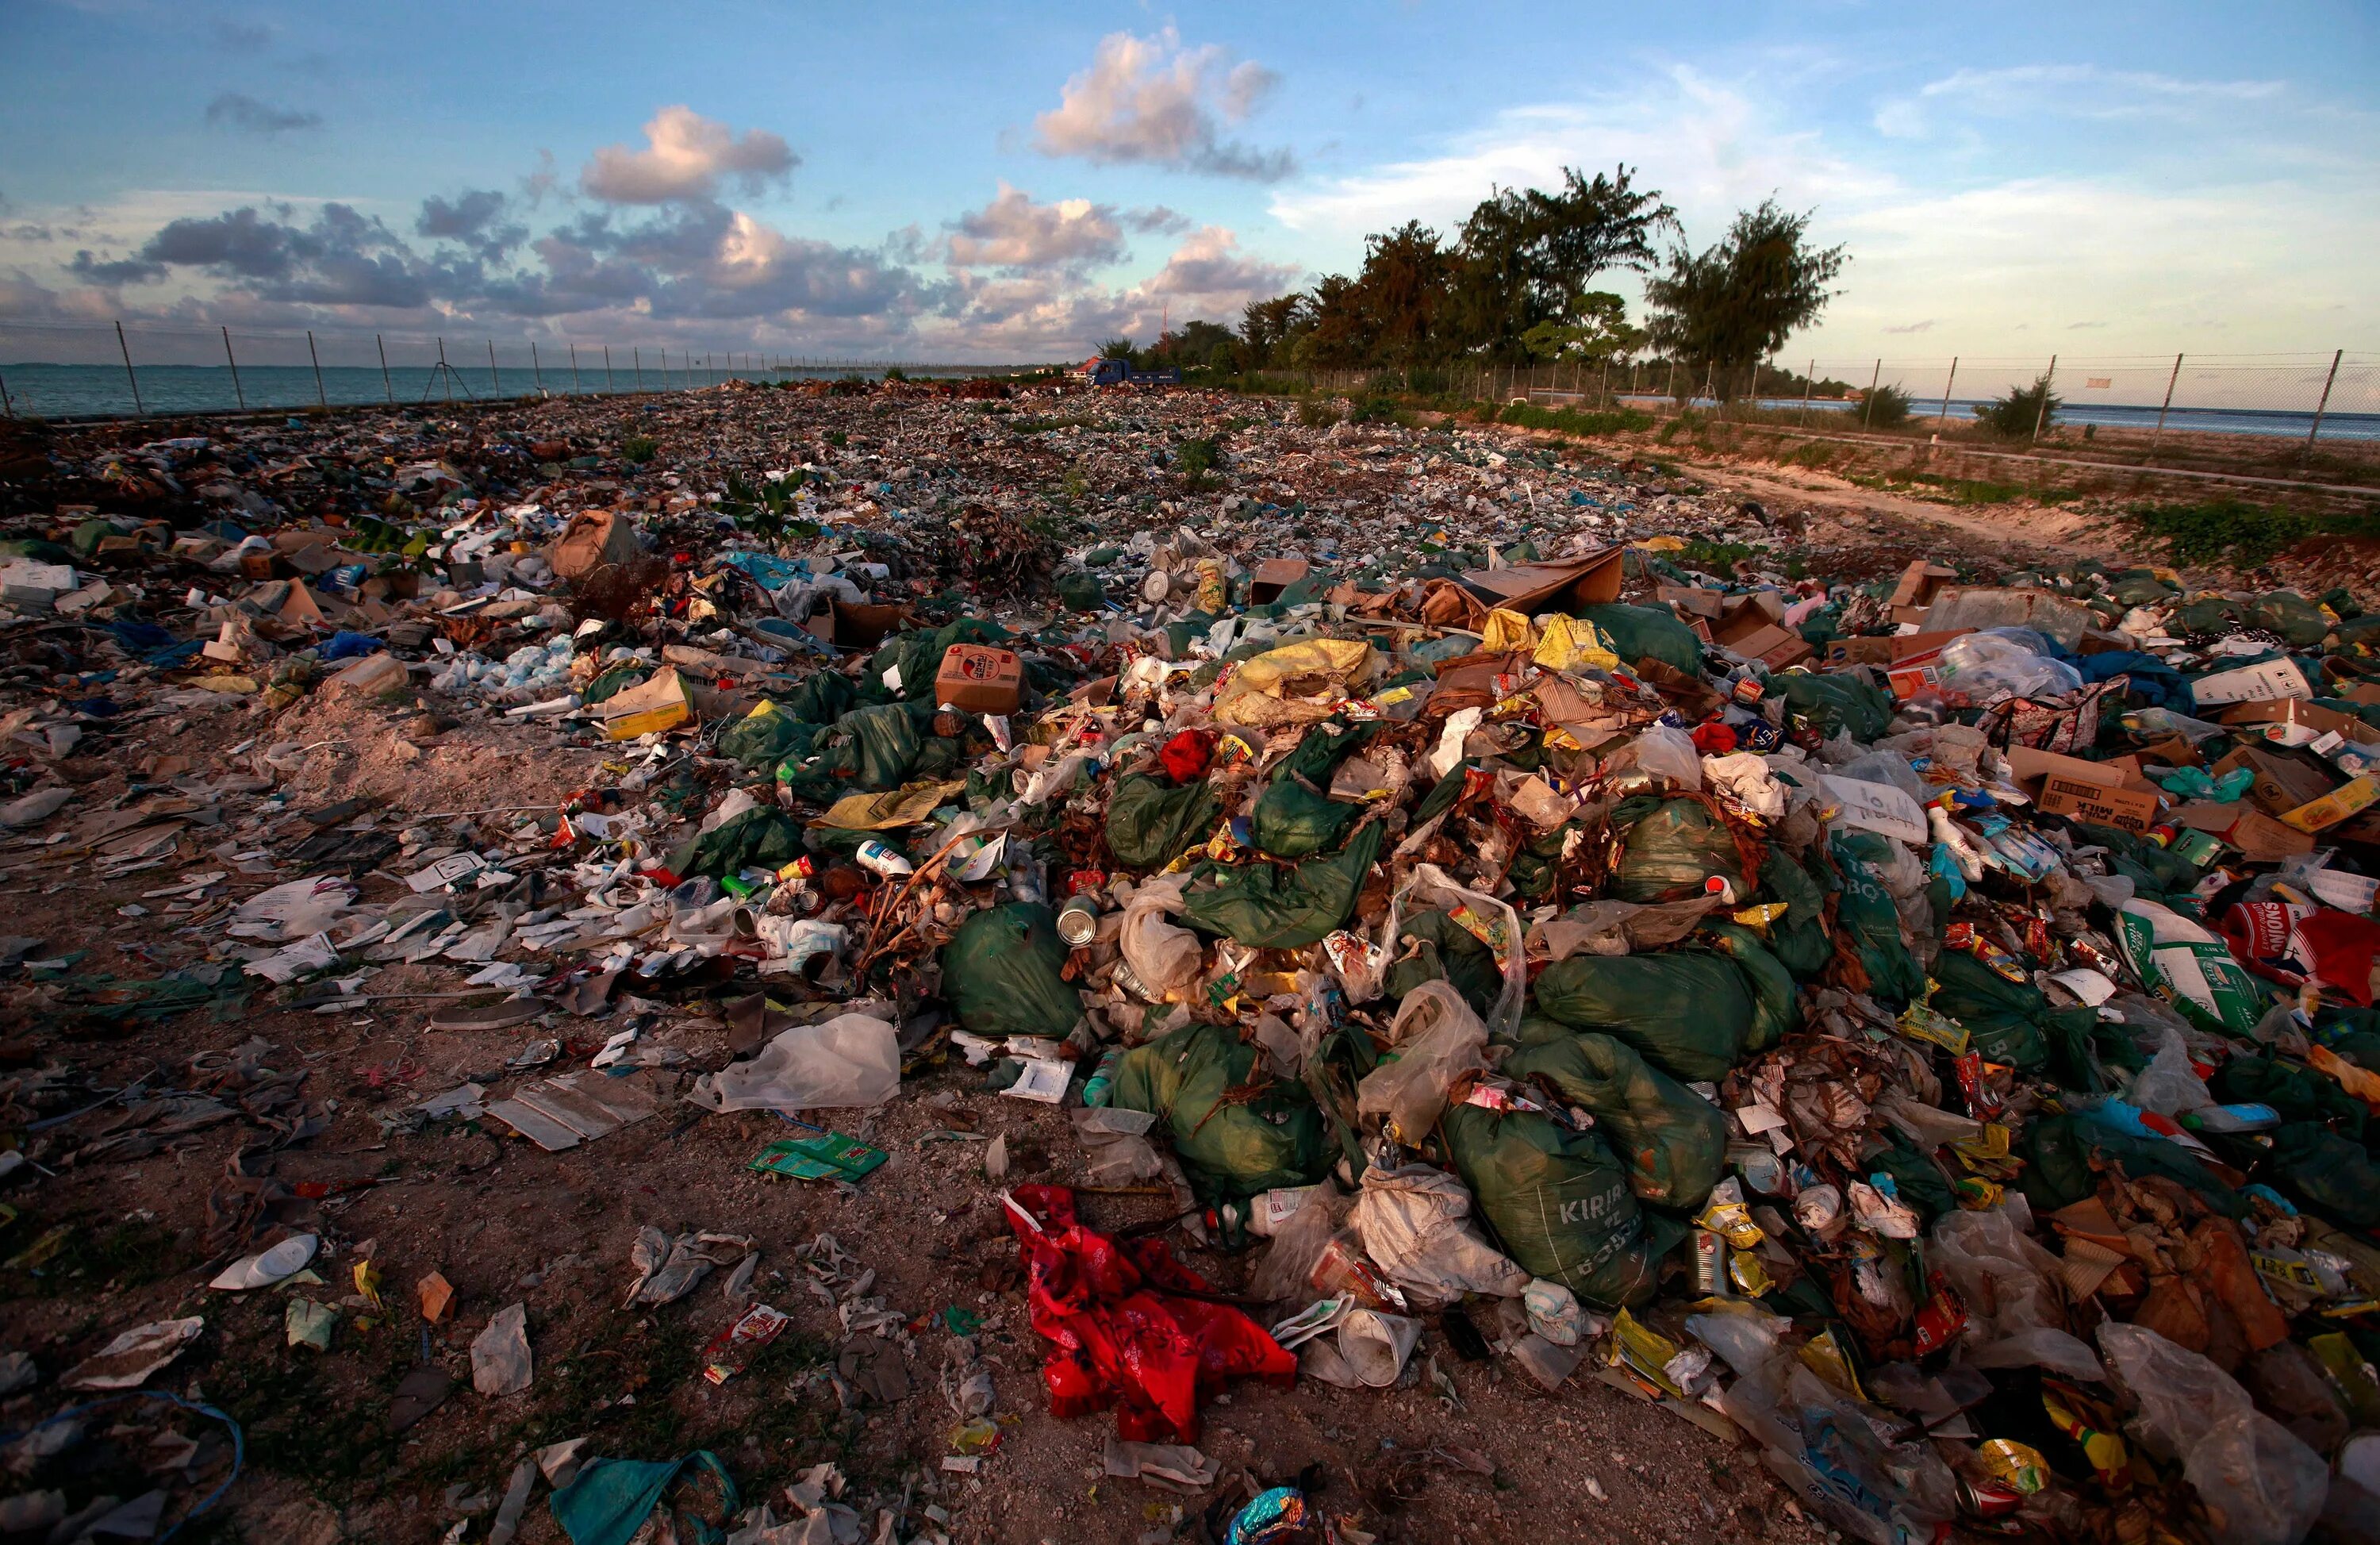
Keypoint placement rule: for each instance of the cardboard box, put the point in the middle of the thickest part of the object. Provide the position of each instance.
(1558, 586)
(1274, 576)
(2296, 722)
(2266, 681)
(1775, 647)
(2349, 798)
(1895, 648)
(2284, 779)
(980, 680)
(1692, 600)
(852, 625)
(1918, 581)
(2103, 793)
(2258, 836)
(658, 702)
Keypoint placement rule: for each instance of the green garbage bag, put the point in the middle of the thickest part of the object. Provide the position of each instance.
(918, 655)
(1295, 816)
(2059, 1150)
(2298, 1094)
(2294, 617)
(1000, 973)
(883, 746)
(1638, 632)
(1776, 1005)
(2332, 1175)
(1867, 921)
(1917, 1178)
(761, 837)
(1237, 1130)
(1081, 592)
(1673, 1140)
(823, 698)
(2005, 1020)
(609, 1500)
(1835, 705)
(1448, 951)
(614, 681)
(1559, 1203)
(1799, 939)
(762, 739)
(1688, 1011)
(1150, 821)
(1272, 907)
(1669, 848)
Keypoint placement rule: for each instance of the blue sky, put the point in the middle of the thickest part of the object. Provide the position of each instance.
(1009, 183)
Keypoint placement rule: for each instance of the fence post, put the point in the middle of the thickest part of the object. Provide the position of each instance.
(2323, 406)
(322, 398)
(1947, 384)
(2043, 417)
(607, 367)
(2159, 432)
(126, 349)
(1671, 391)
(574, 370)
(1808, 381)
(386, 386)
(536, 372)
(639, 362)
(7, 407)
(1867, 404)
(495, 382)
(237, 395)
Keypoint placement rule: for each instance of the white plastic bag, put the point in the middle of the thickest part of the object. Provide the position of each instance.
(1438, 1040)
(2268, 1483)
(1164, 957)
(1415, 1222)
(853, 1060)
(2015, 1302)
(1999, 661)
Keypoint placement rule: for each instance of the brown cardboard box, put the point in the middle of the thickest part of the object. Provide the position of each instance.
(1556, 587)
(1918, 581)
(853, 624)
(1776, 646)
(2258, 836)
(2366, 692)
(2285, 780)
(2106, 793)
(980, 680)
(1893, 650)
(1274, 576)
(2294, 722)
(1693, 601)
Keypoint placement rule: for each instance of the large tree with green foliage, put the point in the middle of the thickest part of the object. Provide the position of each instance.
(1735, 303)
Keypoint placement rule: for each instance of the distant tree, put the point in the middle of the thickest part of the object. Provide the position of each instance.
(2014, 416)
(1116, 348)
(1267, 327)
(1196, 346)
(1602, 331)
(1527, 256)
(1735, 303)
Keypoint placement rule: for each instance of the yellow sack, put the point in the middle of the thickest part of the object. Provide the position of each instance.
(1569, 644)
(1506, 631)
(1258, 693)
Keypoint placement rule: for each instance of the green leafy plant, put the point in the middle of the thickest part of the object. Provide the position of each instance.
(2232, 530)
(1317, 413)
(2014, 417)
(1197, 456)
(1887, 408)
(639, 448)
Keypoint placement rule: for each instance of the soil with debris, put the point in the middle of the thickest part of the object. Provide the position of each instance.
(171, 1132)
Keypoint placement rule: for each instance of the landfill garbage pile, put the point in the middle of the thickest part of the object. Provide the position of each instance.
(1415, 912)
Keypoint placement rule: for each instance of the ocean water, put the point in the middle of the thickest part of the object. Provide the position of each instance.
(49, 391)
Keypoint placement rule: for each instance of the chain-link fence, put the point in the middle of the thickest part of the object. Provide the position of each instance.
(2328, 397)
(76, 370)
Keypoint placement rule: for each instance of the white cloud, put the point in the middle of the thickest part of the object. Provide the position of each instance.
(2066, 90)
(685, 156)
(1151, 100)
(1014, 232)
(1210, 273)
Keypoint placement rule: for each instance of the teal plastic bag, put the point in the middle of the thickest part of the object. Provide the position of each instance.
(609, 1499)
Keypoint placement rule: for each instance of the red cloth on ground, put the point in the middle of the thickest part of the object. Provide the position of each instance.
(1186, 755)
(1118, 1337)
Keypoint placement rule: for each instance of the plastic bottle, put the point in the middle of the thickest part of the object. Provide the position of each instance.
(1099, 1088)
(882, 860)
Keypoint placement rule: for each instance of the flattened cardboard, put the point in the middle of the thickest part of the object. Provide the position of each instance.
(658, 702)
(2284, 779)
(1919, 582)
(2295, 722)
(1530, 588)
(2258, 836)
